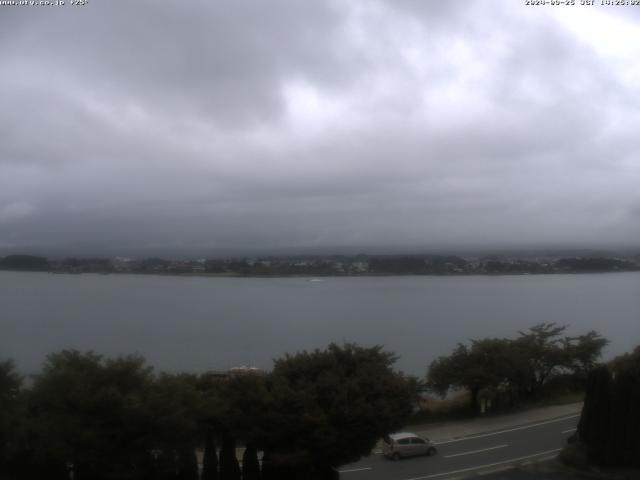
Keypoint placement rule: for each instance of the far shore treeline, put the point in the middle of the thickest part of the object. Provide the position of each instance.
(332, 265)
(85, 416)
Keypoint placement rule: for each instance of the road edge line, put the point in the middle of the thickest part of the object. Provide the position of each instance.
(513, 429)
(488, 465)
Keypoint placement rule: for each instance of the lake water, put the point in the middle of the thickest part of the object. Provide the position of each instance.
(199, 323)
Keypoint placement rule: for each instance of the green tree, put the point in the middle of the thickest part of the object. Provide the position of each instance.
(543, 352)
(593, 427)
(10, 416)
(250, 463)
(167, 464)
(173, 404)
(515, 368)
(328, 408)
(610, 420)
(91, 413)
(542, 347)
(187, 464)
(229, 466)
(243, 401)
(486, 364)
(210, 458)
(624, 445)
(267, 470)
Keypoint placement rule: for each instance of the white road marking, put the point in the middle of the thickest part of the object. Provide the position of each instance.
(473, 437)
(474, 451)
(485, 466)
(355, 470)
(570, 430)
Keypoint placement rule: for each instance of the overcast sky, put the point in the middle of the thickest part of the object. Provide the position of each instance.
(242, 125)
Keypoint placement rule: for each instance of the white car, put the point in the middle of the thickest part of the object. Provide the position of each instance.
(405, 444)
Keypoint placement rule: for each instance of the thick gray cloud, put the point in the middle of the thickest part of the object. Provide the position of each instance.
(218, 125)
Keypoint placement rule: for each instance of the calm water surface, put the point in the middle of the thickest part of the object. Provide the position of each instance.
(194, 324)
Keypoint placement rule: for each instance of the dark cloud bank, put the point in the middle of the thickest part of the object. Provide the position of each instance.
(257, 126)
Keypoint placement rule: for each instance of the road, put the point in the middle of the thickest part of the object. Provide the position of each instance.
(475, 453)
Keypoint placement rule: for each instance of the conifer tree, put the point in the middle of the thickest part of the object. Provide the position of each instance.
(229, 467)
(266, 469)
(187, 464)
(593, 428)
(167, 465)
(250, 464)
(210, 459)
(610, 420)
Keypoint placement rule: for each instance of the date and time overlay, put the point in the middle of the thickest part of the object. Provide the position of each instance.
(583, 3)
(44, 3)
(532, 3)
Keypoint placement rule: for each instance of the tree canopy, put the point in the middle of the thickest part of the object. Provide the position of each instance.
(113, 418)
(91, 413)
(610, 420)
(335, 403)
(10, 385)
(518, 367)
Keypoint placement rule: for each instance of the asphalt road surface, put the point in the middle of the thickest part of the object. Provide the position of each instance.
(467, 455)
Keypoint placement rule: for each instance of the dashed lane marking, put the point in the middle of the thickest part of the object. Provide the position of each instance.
(475, 451)
(351, 470)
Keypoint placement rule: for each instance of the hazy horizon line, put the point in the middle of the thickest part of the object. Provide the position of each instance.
(201, 252)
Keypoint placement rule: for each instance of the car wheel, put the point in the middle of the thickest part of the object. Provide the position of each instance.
(395, 457)
(432, 451)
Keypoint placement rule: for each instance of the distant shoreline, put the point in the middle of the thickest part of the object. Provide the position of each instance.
(328, 266)
(327, 275)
